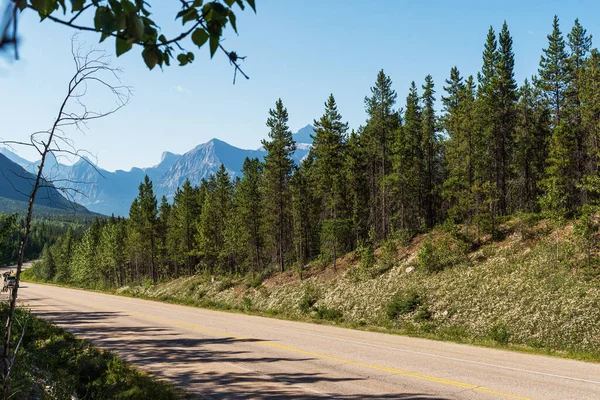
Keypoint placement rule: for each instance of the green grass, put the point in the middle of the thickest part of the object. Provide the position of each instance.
(52, 363)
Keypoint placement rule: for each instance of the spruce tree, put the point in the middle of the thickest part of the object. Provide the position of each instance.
(506, 99)
(278, 168)
(553, 72)
(530, 148)
(355, 172)
(249, 208)
(378, 135)
(430, 146)
(328, 152)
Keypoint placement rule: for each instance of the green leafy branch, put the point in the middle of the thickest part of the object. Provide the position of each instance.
(131, 23)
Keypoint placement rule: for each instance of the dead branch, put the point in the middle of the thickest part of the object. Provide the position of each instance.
(92, 69)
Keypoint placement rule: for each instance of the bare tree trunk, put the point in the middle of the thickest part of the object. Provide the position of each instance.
(90, 67)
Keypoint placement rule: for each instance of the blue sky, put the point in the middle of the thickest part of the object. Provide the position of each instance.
(299, 50)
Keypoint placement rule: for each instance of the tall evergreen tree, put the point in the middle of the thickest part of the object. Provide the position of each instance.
(553, 72)
(378, 134)
(249, 208)
(408, 167)
(530, 148)
(279, 166)
(506, 99)
(430, 147)
(328, 154)
(143, 215)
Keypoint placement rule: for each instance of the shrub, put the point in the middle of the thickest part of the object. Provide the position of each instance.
(499, 334)
(403, 303)
(428, 258)
(309, 299)
(247, 303)
(423, 314)
(445, 253)
(258, 278)
(330, 314)
(225, 284)
(366, 252)
(389, 255)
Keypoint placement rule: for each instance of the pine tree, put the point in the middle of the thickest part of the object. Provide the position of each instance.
(212, 225)
(579, 44)
(408, 167)
(278, 167)
(185, 212)
(143, 215)
(553, 72)
(530, 148)
(162, 228)
(249, 208)
(460, 146)
(378, 138)
(355, 172)
(430, 146)
(328, 153)
(589, 94)
(506, 99)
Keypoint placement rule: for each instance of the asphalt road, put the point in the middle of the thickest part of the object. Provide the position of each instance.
(228, 356)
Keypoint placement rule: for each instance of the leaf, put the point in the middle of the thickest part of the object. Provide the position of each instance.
(197, 3)
(136, 26)
(22, 4)
(240, 3)
(123, 46)
(150, 57)
(183, 60)
(162, 39)
(189, 15)
(77, 5)
(199, 37)
(232, 19)
(229, 2)
(252, 4)
(214, 45)
(104, 20)
(104, 36)
(41, 6)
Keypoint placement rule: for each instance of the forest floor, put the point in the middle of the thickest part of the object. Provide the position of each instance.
(530, 289)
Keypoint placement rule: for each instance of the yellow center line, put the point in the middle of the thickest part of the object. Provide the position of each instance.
(391, 370)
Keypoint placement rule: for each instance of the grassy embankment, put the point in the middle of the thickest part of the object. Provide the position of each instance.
(533, 289)
(53, 364)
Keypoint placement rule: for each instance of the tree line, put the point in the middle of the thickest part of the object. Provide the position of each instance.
(495, 149)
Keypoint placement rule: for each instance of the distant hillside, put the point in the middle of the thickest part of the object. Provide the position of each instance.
(16, 184)
(109, 193)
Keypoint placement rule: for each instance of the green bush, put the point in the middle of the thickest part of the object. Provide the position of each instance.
(499, 334)
(446, 252)
(258, 278)
(424, 314)
(330, 314)
(428, 258)
(225, 284)
(309, 299)
(247, 303)
(403, 303)
(389, 255)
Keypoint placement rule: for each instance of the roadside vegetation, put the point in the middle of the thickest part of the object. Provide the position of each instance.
(531, 288)
(53, 364)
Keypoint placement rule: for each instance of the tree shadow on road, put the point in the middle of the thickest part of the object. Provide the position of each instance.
(212, 367)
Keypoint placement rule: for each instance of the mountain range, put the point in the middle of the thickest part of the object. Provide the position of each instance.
(16, 184)
(109, 193)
